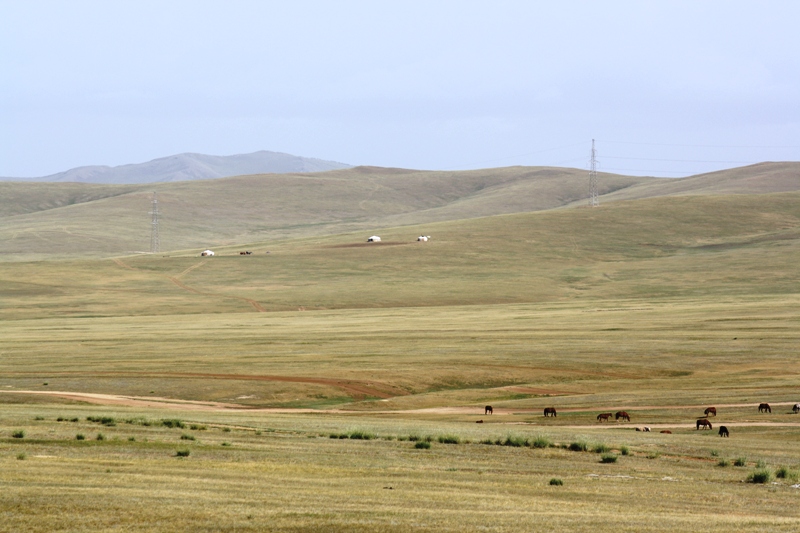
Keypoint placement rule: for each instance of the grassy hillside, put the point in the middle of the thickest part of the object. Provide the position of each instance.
(305, 378)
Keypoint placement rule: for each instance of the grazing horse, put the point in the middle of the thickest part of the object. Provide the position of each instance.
(764, 408)
(603, 417)
(796, 408)
(549, 411)
(710, 411)
(646, 429)
(704, 423)
(723, 431)
(623, 415)
(479, 421)
(488, 410)
(667, 431)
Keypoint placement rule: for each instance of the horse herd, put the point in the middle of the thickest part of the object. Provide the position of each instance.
(623, 415)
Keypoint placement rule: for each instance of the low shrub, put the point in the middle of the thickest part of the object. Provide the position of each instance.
(131, 439)
(183, 453)
(624, 450)
(18, 434)
(601, 448)
(449, 439)
(422, 445)
(187, 437)
(334, 436)
(414, 438)
(608, 458)
(74, 419)
(723, 462)
(60, 419)
(362, 435)
(100, 436)
(21, 456)
(761, 464)
(556, 481)
(761, 475)
(80, 436)
(172, 423)
(654, 455)
(428, 438)
(579, 446)
(344, 436)
(105, 420)
(740, 461)
(39, 418)
(226, 430)
(226, 443)
(784, 473)
(487, 441)
(515, 441)
(541, 442)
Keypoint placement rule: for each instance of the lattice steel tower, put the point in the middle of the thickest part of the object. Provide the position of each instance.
(593, 200)
(154, 227)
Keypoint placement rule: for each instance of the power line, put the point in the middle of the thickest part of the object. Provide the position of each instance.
(698, 145)
(680, 160)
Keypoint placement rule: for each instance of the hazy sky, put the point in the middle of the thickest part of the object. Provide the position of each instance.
(666, 88)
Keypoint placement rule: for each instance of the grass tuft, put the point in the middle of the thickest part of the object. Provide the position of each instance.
(541, 441)
(21, 456)
(740, 461)
(449, 439)
(18, 434)
(80, 436)
(579, 446)
(601, 448)
(723, 462)
(183, 453)
(100, 436)
(362, 435)
(187, 437)
(422, 445)
(173, 423)
(624, 450)
(608, 458)
(515, 441)
(556, 481)
(761, 475)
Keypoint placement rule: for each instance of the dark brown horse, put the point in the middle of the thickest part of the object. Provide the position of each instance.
(666, 431)
(488, 410)
(764, 408)
(704, 423)
(710, 411)
(549, 411)
(623, 415)
(723, 431)
(603, 417)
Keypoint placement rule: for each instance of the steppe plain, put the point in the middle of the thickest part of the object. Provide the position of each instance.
(324, 383)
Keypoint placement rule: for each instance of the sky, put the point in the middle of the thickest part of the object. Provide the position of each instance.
(666, 88)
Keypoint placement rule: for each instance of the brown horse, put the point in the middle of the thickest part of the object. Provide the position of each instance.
(710, 411)
(623, 415)
(666, 431)
(549, 411)
(479, 421)
(603, 417)
(488, 410)
(723, 431)
(704, 423)
(764, 408)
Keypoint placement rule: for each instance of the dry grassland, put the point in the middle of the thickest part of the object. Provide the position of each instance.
(280, 356)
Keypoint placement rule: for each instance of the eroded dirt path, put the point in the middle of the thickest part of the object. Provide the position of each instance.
(176, 280)
(209, 406)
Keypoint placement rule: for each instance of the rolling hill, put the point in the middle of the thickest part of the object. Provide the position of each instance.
(44, 220)
(189, 166)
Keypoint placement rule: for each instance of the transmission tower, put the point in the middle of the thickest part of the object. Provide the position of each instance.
(593, 200)
(154, 227)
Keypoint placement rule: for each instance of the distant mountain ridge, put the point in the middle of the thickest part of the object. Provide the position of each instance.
(190, 166)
